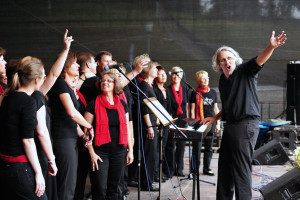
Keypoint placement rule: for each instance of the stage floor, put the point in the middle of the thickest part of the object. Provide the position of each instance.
(261, 175)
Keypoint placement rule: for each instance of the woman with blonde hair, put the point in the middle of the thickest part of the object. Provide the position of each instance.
(178, 98)
(18, 157)
(149, 130)
(201, 108)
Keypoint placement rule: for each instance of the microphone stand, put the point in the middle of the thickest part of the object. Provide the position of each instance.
(139, 148)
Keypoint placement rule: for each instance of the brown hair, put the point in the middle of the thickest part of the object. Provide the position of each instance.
(118, 89)
(70, 59)
(100, 54)
(2, 51)
(84, 58)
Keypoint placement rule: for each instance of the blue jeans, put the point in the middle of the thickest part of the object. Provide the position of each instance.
(17, 181)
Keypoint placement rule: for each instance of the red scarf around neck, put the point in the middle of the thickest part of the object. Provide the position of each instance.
(102, 135)
(199, 102)
(1, 89)
(81, 97)
(178, 98)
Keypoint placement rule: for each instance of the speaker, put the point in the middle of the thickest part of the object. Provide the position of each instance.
(271, 153)
(286, 187)
(293, 91)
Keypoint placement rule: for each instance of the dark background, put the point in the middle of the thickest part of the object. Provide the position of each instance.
(174, 32)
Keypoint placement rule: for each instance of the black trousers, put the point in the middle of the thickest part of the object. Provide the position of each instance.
(174, 154)
(65, 151)
(148, 158)
(105, 180)
(234, 172)
(84, 164)
(133, 167)
(51, 186)
(17, 181)
(208, 151)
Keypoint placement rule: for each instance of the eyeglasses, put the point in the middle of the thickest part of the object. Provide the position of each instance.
(224, 60)
(107, 80)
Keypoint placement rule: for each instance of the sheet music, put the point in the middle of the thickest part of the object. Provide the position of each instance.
(157, 113)
(202, 128)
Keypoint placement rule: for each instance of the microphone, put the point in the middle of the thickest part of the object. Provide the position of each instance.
(116, 66)
(170, 73)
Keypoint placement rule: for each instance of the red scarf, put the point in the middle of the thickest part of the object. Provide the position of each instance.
(81, 97)
(1, 90)
(102, 135)
(178, 98)
(123, 97)
(199, 102)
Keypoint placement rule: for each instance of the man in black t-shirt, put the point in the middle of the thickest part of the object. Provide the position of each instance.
(240, 110)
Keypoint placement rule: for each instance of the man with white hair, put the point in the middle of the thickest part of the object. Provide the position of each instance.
(240, 111)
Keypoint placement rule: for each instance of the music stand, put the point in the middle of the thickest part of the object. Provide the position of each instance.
(158, 109)
(195, 135)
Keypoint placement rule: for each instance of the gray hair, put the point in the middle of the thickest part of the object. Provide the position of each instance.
(215, 63)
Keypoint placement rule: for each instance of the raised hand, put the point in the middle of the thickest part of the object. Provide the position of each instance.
(67, 40)
(278, 40)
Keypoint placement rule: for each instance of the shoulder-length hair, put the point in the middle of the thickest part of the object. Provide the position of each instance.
(215, 62)
(71, 58)
(118, 89)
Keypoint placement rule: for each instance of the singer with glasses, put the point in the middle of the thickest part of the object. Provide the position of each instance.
(112, 143)
(178, 99)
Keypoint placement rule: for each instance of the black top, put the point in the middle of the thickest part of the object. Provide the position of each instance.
(135, 103)
(113, 121)
(89, 89)
(17, 122)
(62, 125)
(239, 93)
(149, 92)
(165, 102)
(174, 104)
(208, 103)
(129, 99)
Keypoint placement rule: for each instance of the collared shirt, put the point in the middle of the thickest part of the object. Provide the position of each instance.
(239, 93)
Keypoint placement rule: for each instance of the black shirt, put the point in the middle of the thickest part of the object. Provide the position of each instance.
(62, 125)
(89, 88)
(239, 93)
(210, 98)
(165, 102)
(113, 121)
(17, 122)
(174, 104)
(149, 92)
